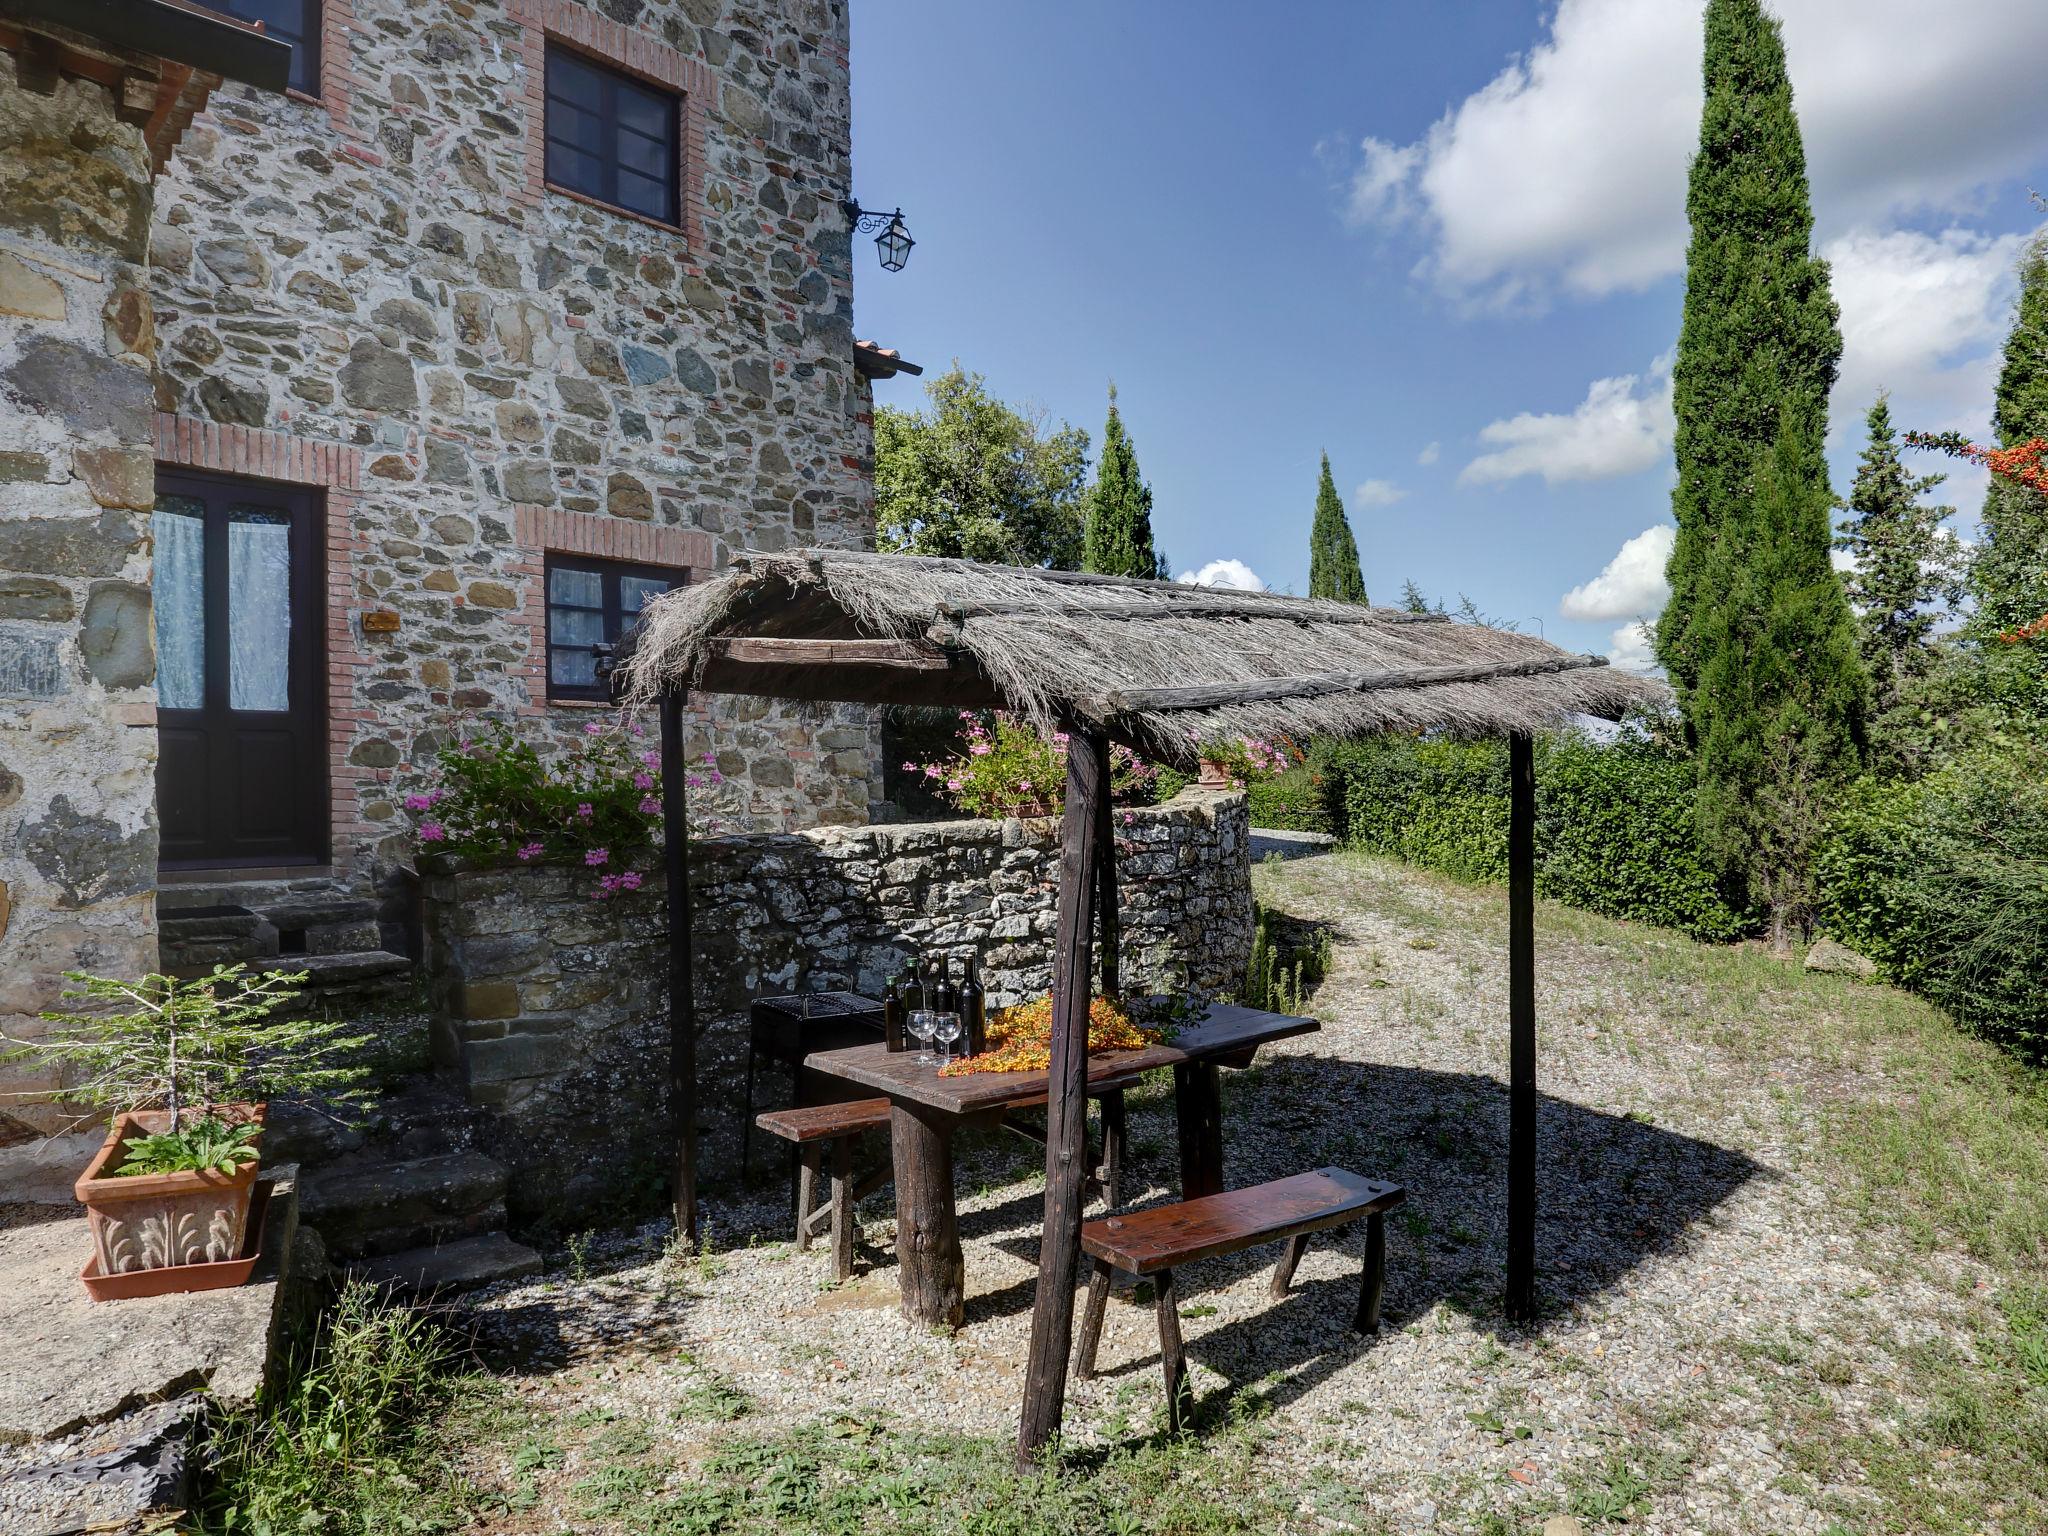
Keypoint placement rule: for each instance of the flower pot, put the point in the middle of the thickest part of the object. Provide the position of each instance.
(1214, 775)
(165, 1220)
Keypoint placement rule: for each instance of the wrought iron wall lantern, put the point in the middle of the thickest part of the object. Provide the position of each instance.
(893, 242)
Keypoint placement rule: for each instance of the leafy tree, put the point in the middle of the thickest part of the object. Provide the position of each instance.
(1333, 569)
(2009, 576)
(1904, 574)
(973, 478)
(1777, 709)
(1413, 600)
(1119, 533)
(1759, 341)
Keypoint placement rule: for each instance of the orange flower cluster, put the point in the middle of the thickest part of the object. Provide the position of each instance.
(2033, 629)
(1020, 1038)
(2023, 463)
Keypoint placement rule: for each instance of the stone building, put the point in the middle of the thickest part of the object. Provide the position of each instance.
(399, 388)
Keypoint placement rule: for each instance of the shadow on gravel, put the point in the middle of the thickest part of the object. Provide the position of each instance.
(1613, 1191)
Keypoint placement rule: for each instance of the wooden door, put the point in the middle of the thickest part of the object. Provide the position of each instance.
(241, 707)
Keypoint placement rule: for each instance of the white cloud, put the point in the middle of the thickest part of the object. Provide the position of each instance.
(1622, 426)
(1377, 493)
(1224, 573)
(1922, 316)
(1567, 170)
(1632, 648)
(1631, 585)
(1431, 452)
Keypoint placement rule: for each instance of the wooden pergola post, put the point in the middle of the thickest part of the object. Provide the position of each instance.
(1521, 1292)
(682, 997)
(1066, 1109)
(1105, 875)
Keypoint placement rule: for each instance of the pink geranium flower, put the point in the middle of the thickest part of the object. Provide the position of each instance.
(651, 758)
(593, 729)
(419, 802)
(583, 810)
(433, 832)
(597, 856)
(630, 880)
(643, 781)
(528, 852)
(649, 806)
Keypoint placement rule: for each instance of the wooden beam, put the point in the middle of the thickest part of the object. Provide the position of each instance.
(895, 655)
(1521, 1278)
(1066, 1109)
(1134, 701)
(682, 998)
(1105, 876)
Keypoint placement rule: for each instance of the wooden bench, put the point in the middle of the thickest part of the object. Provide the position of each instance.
(815, 1128)
(1155, 1242)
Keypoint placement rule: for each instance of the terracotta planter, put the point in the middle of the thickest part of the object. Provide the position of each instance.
(1214, 775)
(165, 1220)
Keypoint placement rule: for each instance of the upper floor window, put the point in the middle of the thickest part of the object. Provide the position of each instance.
(612, 137)
(292, 21)
(590, 603)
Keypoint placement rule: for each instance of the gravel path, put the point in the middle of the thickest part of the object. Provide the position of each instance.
(1691, 1247)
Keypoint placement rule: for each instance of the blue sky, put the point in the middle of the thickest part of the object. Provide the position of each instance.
(1442, 241)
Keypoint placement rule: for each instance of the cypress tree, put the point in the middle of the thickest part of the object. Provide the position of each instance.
(1333, 569)
(1759, 339)
(2009, 576)
(1902, 576)
(1119, 538)
(1778, 703)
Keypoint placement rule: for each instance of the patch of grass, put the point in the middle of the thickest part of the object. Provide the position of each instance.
(354, 1444)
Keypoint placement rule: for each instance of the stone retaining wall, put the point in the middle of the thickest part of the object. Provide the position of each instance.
(550, 1005)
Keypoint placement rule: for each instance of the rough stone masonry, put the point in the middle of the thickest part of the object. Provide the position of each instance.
(551, 1006)
(514, 370)
(77, 793)
(370, 291)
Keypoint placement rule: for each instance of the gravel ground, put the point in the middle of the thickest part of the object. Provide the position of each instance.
(1690, 1240)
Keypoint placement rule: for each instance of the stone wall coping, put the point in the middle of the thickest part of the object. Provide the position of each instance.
(1195, 801)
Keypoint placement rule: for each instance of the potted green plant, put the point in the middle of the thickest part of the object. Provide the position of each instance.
(190, 1067)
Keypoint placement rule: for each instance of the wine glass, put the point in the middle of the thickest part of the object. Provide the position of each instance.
(922, 1024)
(946, 1029)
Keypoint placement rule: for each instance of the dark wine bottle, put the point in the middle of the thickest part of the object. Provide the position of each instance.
(946, 994)
(893, 1013)
(973, 1010)
(913, 988)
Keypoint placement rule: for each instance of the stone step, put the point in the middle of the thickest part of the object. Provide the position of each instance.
(356, 973)
(462, 1265)
(196, 939)
(299, 911)
(364, 1206)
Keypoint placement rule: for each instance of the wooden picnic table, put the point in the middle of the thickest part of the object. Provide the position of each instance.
(925, 1111)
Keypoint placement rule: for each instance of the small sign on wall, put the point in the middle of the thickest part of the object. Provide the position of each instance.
(380, 621)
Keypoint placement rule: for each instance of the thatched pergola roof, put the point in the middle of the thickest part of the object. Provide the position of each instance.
(1157, 664)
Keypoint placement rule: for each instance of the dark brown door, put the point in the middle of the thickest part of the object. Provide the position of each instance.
(241, 775)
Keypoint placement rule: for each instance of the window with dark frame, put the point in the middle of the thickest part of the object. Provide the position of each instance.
(612, 137)
(591, 603)
(293, 21)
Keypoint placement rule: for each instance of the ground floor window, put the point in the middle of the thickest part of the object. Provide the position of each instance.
(591, 603)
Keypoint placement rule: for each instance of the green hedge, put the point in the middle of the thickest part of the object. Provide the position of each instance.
(1944, 883)
(1289, 802)
(1614, 832)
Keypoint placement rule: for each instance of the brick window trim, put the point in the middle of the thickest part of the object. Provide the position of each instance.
(338, 78)
(541, 531)
(568, 24)
(191, 442)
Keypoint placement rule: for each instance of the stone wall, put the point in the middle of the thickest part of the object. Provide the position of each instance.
(513, 369)
(77, 760)
(550, 1006)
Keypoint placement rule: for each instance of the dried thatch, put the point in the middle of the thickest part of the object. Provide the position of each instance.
(1158, 664)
